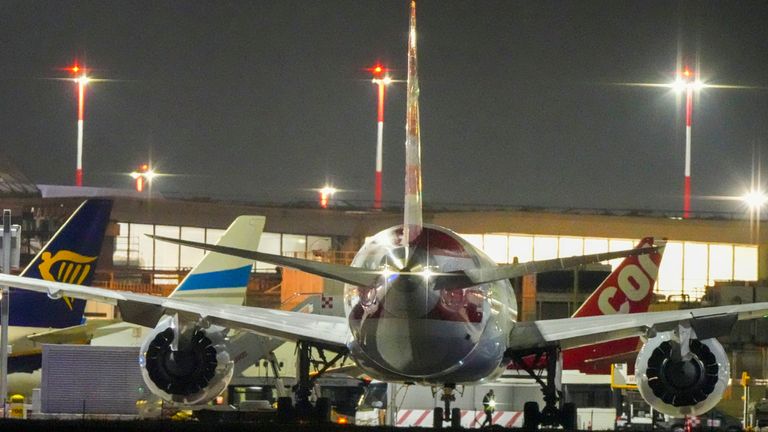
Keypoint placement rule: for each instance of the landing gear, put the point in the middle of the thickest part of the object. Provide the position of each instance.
(303, 409)
(551, 415)
(446, 413)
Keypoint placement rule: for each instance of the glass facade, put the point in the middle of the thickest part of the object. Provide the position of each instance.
(686, 268)
(133, 248)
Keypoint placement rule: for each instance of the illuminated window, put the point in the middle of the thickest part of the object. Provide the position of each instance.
(615, 245)
(145, 245)
(571, 246)
(520, 247)
(745, 263)
(496, 247)
(671, 270)
(475, 240)
(121, 254)
(544, 248)
(315, 243)
(189, 257)
(695, 269)
(294, 245)
(720, 263)
(212, 235)
(270, 243)
(166, 254)
(595, 245)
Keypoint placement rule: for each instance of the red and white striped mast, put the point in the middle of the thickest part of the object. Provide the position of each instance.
(688, 118)
(687, 82)
(81, 81)
(381, 79)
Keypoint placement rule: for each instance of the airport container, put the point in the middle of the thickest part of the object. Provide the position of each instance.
(84, 379)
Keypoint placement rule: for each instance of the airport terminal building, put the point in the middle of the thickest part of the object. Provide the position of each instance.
(700, 251)
(718, 259)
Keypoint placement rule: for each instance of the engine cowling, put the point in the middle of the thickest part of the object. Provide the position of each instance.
(676, 385)
(186, 363)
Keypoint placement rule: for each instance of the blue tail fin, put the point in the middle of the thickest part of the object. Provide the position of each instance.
(70, 256)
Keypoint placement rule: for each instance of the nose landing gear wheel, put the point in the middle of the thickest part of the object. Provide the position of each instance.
(455, 417)
(437, 418)
(569, 418)
(531, 416)
(555, 411)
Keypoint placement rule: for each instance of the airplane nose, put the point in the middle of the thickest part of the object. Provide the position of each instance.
(416, 348)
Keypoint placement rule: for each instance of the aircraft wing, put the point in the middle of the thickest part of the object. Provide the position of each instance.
(327, 330)
(461, 278)
(72, 335)
(508, 271)
(574, 332)
(351, 275)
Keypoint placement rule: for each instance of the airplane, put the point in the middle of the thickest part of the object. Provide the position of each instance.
(424, 306)
(70, 256)
(610, 297)
(617, 295)
(216, 278)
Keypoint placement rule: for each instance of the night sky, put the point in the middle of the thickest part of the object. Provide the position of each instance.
(264, 100)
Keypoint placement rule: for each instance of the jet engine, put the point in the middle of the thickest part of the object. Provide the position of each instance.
(679, 381)
(186, 363)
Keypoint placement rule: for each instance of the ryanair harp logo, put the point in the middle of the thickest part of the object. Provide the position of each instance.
(66, 266)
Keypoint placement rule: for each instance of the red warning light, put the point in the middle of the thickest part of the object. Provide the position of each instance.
(377, 70)
(75, 68)
(687, 72)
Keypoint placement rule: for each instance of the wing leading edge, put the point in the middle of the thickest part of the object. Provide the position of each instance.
(575, 332)
(293, 326)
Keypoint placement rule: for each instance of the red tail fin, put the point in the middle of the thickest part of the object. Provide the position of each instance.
(628, 289)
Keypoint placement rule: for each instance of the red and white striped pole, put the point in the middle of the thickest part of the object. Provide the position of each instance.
(687, 81)
(81, 81)
(688, 119)
(382, 80)
(80, 111)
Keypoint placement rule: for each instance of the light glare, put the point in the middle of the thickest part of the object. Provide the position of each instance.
(755, 199)
(328, 190)
(150, 174)
(83, 79)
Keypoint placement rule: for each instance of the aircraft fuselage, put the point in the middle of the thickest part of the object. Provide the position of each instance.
(413, 327)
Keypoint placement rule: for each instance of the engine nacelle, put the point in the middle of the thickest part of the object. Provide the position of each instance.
(677, 385)
(186, 363)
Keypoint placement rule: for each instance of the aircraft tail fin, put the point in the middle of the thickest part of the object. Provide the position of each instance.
(70, 256)
(628, 289)
(412, 215)
(223, 278)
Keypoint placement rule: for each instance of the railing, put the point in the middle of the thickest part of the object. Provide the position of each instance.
(333, 257)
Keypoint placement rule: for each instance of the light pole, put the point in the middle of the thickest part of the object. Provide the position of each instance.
(381, 79)
(326, 193)
(687, 82)
(81, 81)
(143, 175)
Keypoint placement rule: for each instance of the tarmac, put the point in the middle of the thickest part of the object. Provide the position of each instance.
(190, 426)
